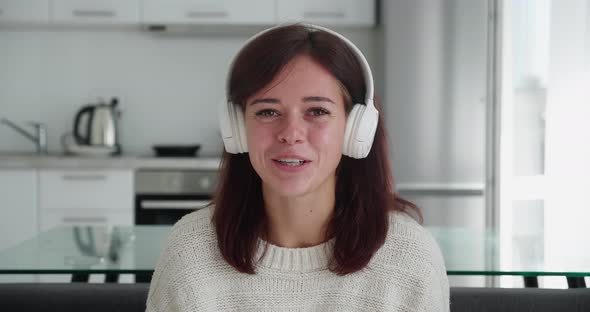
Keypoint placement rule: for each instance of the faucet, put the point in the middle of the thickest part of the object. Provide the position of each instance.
(40, 136)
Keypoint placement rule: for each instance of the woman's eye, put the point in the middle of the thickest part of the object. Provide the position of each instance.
(267, 113)
(319, 111)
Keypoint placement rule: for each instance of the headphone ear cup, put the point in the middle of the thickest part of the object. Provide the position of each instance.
(349, 130)
(361, 125)
(231, 124)
(240, 129)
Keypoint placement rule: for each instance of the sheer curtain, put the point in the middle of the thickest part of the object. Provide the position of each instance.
(545, 140)
(567, 155)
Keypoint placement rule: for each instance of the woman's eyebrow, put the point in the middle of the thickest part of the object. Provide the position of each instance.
(305, 99)
(266, 100)
(317, 99)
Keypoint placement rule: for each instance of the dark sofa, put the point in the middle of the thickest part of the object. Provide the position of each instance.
(131, 298)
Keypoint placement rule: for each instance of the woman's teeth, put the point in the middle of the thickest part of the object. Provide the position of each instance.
(291, 162)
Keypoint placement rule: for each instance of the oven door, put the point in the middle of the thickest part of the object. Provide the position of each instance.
(166, 209)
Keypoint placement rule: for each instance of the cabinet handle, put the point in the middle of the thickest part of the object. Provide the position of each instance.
(450, 189)
(324, 14)
(94, 13)
(84, 219)
(174, 204)
(84, 177)
(206, 14)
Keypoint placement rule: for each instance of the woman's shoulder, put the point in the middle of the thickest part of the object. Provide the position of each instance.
(193, 228)
(411, 264)
(193, 236)
(404, 226)
(196, 221)
(189, 249)
(412, 244)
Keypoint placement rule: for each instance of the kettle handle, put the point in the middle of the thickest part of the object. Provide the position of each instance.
(80, 139)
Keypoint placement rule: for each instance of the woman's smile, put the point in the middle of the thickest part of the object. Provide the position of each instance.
(291, 163)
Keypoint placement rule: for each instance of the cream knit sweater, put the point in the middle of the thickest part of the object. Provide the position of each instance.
(406, 274)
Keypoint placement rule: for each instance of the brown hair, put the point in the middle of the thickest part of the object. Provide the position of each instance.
(364, 187)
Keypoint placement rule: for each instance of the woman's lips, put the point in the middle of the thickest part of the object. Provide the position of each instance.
(289, 163)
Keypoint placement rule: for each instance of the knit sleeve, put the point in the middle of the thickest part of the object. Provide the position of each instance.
(162, 295)
(439, 283)
(416, 268)
(440, 292)
(169, 288)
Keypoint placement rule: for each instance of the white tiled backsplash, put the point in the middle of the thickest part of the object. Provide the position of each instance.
(168, 85)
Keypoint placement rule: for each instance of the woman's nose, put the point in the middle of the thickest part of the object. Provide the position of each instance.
(292, 131)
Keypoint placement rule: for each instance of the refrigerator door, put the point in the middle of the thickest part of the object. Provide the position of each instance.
(436, 58)
(435, 105)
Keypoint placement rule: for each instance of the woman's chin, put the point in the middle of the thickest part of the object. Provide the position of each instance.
(288, 189)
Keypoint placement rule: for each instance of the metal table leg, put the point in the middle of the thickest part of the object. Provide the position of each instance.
(143, 277)
(80, 278)
(576, 282)
(531, 281)
(111, 278)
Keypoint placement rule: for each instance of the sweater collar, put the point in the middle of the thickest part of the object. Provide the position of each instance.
(307, 259)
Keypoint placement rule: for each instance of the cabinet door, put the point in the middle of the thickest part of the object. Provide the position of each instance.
(24, 11)
(328, 12)
(78, 190)
(103, 12)
(239, 12)
(88, 197)
(18, 206)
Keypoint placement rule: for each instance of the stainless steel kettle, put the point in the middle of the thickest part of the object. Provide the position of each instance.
(101, 125)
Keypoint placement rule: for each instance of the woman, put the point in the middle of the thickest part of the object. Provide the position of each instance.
(295, 225)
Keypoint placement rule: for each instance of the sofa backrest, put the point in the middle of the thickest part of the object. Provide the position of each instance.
(76, 297)
(519, 299)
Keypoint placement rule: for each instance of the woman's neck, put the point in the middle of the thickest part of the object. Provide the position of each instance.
(301, 221)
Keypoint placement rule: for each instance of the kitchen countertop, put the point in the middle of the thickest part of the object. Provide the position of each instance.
(32, 161)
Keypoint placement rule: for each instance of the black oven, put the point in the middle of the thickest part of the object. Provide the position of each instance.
(163, 196)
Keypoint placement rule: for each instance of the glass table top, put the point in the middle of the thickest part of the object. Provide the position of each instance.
(135, 249)
(87, 249)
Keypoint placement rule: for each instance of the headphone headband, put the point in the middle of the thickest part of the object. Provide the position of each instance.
(367, 73)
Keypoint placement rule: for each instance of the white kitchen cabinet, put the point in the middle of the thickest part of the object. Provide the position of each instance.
(18, 206)
(95, 197)
(89, 197)
(328, 12)
(18, 212)
(214, 12)
(24, 11)
(352, 13)
(95, 12)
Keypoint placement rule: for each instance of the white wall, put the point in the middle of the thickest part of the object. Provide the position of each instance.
(169, 85)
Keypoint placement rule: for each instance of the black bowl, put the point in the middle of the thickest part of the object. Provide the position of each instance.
(176, 150)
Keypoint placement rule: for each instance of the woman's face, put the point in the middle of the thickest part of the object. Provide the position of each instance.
(295, 129)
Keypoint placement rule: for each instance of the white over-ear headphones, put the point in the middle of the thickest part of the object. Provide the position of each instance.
(361, 123)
